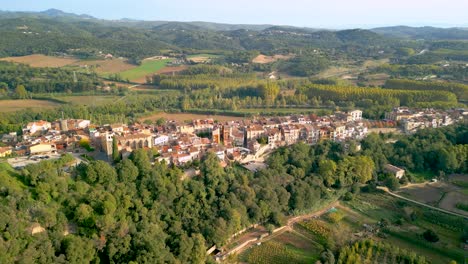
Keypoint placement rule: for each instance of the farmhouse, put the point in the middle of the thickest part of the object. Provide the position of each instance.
(394, 170)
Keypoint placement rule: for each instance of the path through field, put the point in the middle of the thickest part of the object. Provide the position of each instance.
(247, 240)
(385, 189)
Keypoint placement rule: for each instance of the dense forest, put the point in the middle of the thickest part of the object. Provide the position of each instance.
(113, 213)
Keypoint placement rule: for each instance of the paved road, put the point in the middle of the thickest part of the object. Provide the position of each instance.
(385, 189)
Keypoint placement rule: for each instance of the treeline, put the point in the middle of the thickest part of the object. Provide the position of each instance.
(375, 101)
(460, 90)
(356, 94)
(45, 80)
(203, 81)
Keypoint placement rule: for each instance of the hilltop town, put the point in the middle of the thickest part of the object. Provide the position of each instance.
(245, 141)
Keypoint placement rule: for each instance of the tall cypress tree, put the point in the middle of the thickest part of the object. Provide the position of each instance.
(115, 150)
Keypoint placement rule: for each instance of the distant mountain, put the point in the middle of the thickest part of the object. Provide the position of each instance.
(50, 13)
(426, 33)
(59, 13)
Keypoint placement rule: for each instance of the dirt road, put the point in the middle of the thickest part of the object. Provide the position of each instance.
(385, 189)
(260, 234)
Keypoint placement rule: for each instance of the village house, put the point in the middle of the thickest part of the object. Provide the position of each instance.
(394, 170)
(119, 128)
(254, 132)
(310, 134)
(42, 148)
(203, 126)
(274, 137)
(355, 115)
(161, 140)
(10, 138)
(339, 132)
(37, 126)
(216, 135)
(290, 134)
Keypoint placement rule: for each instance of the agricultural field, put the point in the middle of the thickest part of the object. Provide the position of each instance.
(289, 247)
(89, 99)
(147, 67)
(279, 111)
(445, 195)
(202, 58)
(264, 59)
(172, 69)
(182, 117)
(17, 105)
(349, 71)
(105, 67)
(405, 223)
(39, 60)
(369, 216)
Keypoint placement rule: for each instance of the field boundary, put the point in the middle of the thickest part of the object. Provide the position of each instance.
(385, 189)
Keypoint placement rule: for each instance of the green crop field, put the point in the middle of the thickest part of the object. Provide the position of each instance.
(147, 67)
(408, 222)
(286, 248)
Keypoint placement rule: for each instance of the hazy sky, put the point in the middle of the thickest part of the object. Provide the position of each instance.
(311, 13)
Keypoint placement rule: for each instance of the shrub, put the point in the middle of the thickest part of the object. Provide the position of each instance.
(348, 196)
(335, 217)
(430, 236)
(462, 206)
(392, 183)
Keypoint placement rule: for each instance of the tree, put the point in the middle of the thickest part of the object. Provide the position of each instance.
(115, 150)
(269, 92)
(447, 161)
(430, 236)
(327, 168)
(392, 183)
(142, 162)
(78, 250)
(160, 121)
(198, 255)
(127, 171)
(21, 92)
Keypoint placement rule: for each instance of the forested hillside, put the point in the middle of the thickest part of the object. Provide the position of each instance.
(97, 212)
(39, 34)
